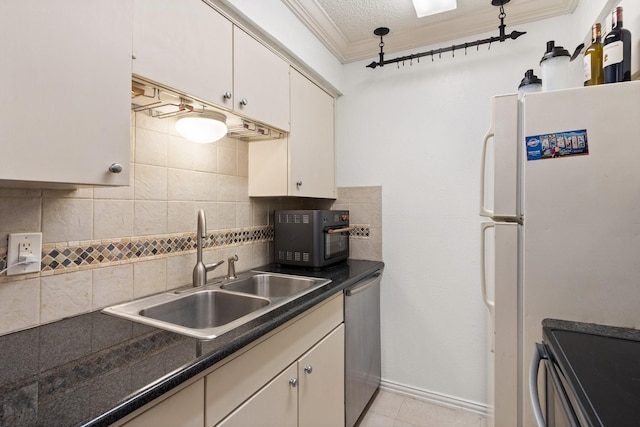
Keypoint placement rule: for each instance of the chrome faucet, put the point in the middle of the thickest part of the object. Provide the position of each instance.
(201, 269)
(231, 267)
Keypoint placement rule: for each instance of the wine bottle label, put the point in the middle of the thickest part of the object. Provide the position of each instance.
(613, 53)
(587, 67)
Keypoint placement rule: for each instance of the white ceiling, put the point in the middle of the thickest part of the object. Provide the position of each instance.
(346, 26)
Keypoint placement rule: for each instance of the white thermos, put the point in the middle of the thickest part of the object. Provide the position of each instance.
(529, 84)
(555, 67)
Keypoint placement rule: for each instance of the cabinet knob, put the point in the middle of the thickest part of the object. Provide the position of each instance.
(308, 369)
(244, 101)
(293, 382)
(299, 184)
(227, 95)
(115, 168)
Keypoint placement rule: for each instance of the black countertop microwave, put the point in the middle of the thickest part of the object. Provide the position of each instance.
(311, 238)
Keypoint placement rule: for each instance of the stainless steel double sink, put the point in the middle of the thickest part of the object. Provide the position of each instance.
(209, 311)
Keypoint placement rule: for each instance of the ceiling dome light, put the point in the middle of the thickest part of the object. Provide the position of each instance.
(202, 128)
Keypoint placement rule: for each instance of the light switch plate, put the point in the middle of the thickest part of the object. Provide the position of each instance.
(24, 247)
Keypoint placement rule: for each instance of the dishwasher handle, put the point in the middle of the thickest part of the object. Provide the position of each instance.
(364, 286)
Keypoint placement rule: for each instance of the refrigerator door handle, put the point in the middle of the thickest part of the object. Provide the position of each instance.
(483, 166)
(483, 274)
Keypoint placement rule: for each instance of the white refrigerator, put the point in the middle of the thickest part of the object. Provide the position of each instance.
(560, 193)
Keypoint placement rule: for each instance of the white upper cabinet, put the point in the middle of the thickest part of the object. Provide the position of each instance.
(188, 46)
(303, 164)
(312, 140)
(185, 45)
(65, 85)
(261, 82)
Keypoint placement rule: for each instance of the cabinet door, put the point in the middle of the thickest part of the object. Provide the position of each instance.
(184, 409)
(65, 86)
(185, 45)
(311, 142)
(321, 390)
(275, 405)
(261, 78)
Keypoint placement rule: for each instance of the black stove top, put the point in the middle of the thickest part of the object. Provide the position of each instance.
(602, 367)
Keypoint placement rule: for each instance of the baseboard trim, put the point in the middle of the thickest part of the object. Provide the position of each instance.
(435, 398)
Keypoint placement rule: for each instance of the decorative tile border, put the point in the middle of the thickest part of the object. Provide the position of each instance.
(361, 231)
(72, 256)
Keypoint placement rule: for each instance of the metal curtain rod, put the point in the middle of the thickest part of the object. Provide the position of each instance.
(383, 31)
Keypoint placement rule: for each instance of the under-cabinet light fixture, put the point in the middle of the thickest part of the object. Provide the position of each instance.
(202, 128)
(432, 7)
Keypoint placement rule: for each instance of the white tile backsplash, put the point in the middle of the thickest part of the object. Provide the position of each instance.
(66, 220)
(151, 147)
(111, 285)
(19, 215)
(180, 184)
(19, 305)
(150, 182)
(180, 216)
(112, 218)
(149, 277)
(65, 295)
(150, 218)
(181, 153)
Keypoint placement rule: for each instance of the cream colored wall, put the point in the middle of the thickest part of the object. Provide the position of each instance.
(417, 131)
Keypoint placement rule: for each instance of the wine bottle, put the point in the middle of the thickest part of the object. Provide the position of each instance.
(593, 72)
(617, 51)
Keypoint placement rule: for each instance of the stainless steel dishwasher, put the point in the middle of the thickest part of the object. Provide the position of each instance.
(362, 344)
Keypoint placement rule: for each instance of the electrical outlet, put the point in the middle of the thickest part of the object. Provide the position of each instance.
(25, 250)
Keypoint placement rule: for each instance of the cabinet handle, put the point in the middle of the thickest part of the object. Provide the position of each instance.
(227, 95)
(308, 369)
(244, 101)
(299, 184)
(293, 382)
(115, 168)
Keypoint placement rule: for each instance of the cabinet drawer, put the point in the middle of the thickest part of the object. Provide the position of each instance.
(233, 383)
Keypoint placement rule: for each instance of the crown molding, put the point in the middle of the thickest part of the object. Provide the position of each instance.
(319, 23)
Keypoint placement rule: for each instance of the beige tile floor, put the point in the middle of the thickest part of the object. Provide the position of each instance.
(394, 410)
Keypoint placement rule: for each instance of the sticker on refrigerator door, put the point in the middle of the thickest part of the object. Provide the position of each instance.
(556, 145)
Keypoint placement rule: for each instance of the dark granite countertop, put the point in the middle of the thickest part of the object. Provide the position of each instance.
(94, 369)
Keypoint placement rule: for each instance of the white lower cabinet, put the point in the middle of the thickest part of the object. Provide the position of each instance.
(292, 377)
(321, 383)
(276, 404)
(310, 392)
(184, 408)
(313, 338)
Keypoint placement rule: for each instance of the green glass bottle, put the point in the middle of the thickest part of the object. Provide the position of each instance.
(593, 72)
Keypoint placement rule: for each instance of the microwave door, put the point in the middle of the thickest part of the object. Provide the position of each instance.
(336, 242)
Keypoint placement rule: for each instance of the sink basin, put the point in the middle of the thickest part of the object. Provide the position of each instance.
(218, 307)
(270, 285)
(205, 309)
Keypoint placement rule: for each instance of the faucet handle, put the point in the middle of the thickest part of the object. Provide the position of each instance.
(211, 267)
